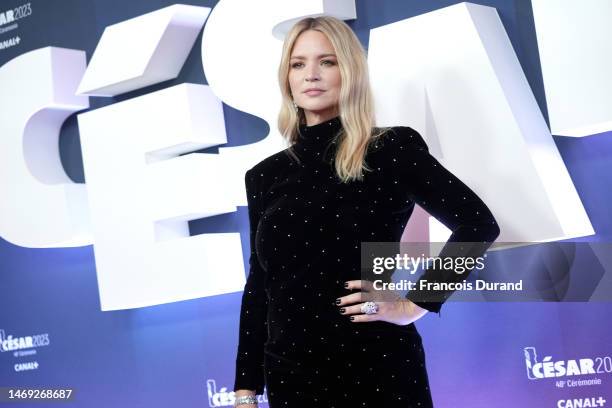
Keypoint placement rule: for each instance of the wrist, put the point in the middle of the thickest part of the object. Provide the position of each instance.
(245, 400)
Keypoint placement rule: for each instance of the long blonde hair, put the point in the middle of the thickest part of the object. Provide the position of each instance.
(356, 106)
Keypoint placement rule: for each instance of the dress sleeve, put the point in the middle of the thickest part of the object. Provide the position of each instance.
(253, 313)
(450, 201)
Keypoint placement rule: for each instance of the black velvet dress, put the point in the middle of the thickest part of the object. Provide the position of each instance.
(306, 229)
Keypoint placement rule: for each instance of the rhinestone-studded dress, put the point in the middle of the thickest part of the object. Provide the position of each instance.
(306, 229)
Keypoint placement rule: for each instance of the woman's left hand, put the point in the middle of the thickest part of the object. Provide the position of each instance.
(392, 307)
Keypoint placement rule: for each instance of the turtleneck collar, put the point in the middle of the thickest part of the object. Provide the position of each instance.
(320, 134)
(333, 122)
(318, 141)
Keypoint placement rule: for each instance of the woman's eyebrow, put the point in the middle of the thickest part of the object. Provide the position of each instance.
(320, 56)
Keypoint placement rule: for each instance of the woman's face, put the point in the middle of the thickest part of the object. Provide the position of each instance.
(313, 65)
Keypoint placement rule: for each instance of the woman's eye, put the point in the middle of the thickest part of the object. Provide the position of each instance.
(327, 62)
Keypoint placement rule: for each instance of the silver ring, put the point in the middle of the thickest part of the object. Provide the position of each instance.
(369, 308)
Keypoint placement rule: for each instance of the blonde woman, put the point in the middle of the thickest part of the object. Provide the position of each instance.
(304, 331)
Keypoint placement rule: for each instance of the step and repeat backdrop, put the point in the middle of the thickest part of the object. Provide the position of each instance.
(125, 132)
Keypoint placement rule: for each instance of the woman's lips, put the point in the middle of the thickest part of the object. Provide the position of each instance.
(314, 93)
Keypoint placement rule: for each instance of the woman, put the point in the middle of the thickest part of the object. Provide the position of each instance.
(304, 331)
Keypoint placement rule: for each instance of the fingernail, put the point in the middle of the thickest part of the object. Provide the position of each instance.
(352, 317)
(338, 301)
(346, 285)
(342, 310)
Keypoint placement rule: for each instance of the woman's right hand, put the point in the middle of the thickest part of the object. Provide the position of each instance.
(241, 393)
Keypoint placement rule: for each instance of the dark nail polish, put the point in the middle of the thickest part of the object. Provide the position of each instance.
(346, 285)
(342, 310)
(352, 317)
(338, 301)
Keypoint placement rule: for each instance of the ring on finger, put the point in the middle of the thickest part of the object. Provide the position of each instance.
(369, 308)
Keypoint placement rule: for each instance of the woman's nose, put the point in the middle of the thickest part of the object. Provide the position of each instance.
(312, 74)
